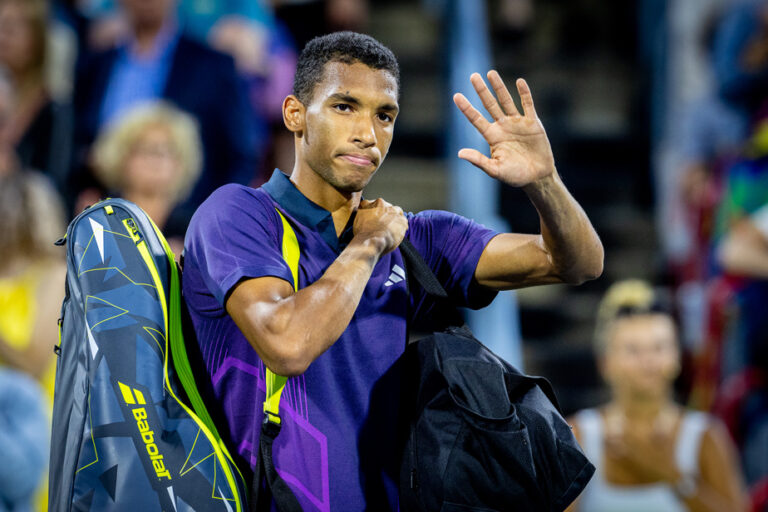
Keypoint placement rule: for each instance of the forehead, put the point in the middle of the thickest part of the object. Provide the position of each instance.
(650, 327)
(358, 80)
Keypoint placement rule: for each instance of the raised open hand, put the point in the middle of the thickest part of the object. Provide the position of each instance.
(520, 150)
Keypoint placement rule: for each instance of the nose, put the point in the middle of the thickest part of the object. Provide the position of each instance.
(364, 134)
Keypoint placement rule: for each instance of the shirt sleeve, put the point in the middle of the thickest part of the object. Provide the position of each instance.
(451, 245)
(235, 235)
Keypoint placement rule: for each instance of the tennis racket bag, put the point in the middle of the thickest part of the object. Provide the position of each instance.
(130, 430)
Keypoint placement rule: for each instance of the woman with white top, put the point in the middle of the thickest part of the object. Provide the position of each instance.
(651, 454)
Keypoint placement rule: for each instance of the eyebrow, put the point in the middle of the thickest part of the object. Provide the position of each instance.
(346, 98)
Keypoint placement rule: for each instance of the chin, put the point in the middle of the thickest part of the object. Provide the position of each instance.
(649, 393)
(351, 186)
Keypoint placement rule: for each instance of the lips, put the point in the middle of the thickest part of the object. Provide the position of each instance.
(356, 159)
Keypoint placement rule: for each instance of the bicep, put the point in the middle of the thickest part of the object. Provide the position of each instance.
(255, 307)
(514, 260)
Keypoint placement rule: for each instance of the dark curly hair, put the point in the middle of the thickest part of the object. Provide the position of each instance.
(346, 47)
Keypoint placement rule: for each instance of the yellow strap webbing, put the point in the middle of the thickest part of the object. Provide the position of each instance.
(276, 383)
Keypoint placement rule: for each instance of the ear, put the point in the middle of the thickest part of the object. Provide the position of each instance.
(294, 114)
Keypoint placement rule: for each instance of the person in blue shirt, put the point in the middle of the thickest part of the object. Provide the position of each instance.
(159, 61)
(24, 434)
(337, 319)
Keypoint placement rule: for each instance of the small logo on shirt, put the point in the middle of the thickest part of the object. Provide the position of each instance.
(397, 275)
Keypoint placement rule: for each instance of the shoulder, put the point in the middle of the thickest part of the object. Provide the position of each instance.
(235, 196)
(95, 58)
(714, 434)
(431, 223)
(19, 388)
(233, 208)
(431, 216)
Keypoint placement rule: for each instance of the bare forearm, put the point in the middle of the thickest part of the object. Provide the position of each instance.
(572, 243)
(291, 332)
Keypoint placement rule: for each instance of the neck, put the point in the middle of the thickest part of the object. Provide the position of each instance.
(642, 410)
(145, 34)
(316, 189)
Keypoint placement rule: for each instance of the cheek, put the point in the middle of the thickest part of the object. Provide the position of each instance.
(670, 364)
(319, 138)
(385, 140)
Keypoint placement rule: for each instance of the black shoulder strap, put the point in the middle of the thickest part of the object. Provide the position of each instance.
(418, 269)
(265, 472)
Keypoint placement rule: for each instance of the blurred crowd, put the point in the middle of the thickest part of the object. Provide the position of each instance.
(156, 101)
(162, 101)
(711, 163)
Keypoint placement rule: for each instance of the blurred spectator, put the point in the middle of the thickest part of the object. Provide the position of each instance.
(8, 159)
(741, 54)
(307, 19)
(38, 127)
(650, 453)
(24, 434)
(32, 274)
(152, 157)
(159, 61)
(238, 27)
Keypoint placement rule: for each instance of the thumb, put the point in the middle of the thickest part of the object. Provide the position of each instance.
(366, 204)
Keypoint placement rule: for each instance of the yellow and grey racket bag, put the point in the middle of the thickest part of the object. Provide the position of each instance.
(130, 430)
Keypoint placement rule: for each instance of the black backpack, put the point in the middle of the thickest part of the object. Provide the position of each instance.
(480, 435)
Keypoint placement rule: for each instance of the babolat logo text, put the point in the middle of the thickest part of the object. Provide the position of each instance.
(135, 399)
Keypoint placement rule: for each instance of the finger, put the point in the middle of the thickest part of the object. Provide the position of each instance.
(471, 113)
(526, 98)
(476, 158)
(486, 96)
(507, 103)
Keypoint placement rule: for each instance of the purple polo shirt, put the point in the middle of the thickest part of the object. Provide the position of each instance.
(336, 449)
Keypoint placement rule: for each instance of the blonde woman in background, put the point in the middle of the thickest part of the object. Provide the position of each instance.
(151, 156)
(32, 272)
(651, 454)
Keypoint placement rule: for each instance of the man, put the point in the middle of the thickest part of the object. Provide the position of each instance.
(158, 61)
(341, 332)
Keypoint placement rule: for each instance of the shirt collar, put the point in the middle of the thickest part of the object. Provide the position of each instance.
(298, 206)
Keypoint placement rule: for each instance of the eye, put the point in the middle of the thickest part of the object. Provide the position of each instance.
(385, 117)
(343, 107)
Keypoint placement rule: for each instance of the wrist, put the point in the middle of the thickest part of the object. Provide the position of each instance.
(376, 242)
(543, 184)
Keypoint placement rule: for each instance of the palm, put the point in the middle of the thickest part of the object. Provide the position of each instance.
(520, 151)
